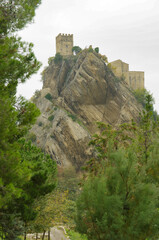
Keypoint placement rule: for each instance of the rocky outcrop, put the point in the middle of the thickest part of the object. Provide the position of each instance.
(78, 92)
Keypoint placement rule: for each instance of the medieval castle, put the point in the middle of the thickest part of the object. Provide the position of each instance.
(135, 79)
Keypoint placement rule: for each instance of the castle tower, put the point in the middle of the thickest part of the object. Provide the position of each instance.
(64, 44)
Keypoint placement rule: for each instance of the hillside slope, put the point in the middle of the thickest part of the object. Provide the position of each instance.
(77, 92)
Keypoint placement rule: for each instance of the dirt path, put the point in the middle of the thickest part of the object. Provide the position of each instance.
(58, 234)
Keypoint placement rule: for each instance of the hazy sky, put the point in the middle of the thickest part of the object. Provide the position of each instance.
(122, 29)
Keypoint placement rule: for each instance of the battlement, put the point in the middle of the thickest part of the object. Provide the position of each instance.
(64, 44)
(65, 37)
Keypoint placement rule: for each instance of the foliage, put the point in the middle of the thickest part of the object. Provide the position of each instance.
(58, 58)
(41, 181)
(51, 118)
(50, 60)
(31, 136)
(96, 49)
(90, 49)
(119, 199)
(75, 235)
(43, 74)
(16, 14)
(27, 113)
(74, 118)
(52, 211)
(18, 63)
(140, 95)
(76, 50)
(104, 58)
(40, 124)
(48, 96)
(68, 180)
(15, 121)
(36, 95)
(11, 226)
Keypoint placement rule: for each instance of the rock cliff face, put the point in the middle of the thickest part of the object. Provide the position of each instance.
(78, 92)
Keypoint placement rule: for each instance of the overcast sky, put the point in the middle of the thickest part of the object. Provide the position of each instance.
(122, 29)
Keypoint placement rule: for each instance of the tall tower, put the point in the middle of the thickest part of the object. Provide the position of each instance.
(64, 44)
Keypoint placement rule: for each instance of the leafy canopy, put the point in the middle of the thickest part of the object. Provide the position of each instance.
(119, 198)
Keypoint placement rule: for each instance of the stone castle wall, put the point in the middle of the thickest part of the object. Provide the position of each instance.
(135, 79)
(64, 44)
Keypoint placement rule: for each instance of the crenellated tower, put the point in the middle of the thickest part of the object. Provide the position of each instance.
(64, 44)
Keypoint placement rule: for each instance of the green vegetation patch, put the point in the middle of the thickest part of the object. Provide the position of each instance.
(40, 124)
(31, 136)
(48, 96)
(74, 118)
(75, 235)
(51, 118)
(58, 58)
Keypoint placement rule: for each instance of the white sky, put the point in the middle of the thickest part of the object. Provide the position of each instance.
(122, 29)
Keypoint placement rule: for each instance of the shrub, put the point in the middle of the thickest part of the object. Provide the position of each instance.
(37, 93)
(75, 235)
(51, 118)
(140, 96)
(31, 136)
(40, 124)
(104, 58)
(58, 58)
(76, 49)
(96, 49)
(90, 49)
(50, 60)
(48, 96)
(74, 118)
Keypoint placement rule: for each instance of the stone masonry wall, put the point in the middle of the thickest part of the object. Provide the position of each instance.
(135, 79)
(64, 44)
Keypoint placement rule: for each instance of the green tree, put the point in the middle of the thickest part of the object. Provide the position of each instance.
(41, 182)
(15, 14)
(52, 211)
(140, 95)
(119, 199)
(18, 63)
(15, 121)
(76, 50)
(96, 49)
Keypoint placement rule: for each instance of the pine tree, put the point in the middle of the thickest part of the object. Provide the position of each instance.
(17, 64)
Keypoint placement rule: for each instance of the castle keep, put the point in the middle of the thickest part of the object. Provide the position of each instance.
(64, 44)
(135, 79)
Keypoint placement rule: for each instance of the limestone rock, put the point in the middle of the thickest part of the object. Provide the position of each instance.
(82, 91)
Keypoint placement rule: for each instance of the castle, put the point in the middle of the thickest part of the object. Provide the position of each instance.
(64, 44)
(135, 79)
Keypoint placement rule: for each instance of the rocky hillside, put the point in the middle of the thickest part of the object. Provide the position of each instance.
(77, 92)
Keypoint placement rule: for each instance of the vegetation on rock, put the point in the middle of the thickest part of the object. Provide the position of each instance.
(58, 58)
(76, 50)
